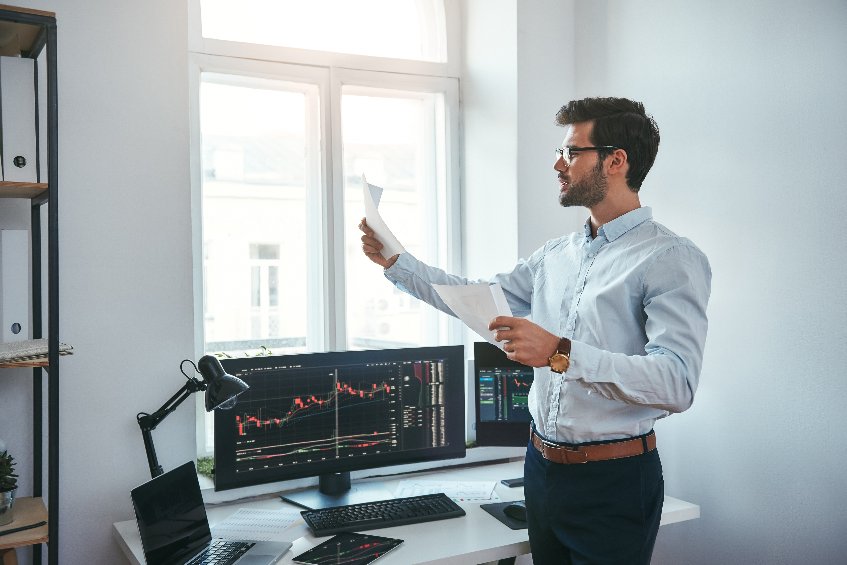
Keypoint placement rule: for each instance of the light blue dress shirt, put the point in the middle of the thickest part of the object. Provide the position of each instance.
(633, 302)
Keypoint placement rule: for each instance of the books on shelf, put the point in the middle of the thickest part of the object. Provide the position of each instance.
(28, 351)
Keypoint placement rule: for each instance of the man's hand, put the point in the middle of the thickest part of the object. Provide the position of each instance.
(526, 342)
(372, 247)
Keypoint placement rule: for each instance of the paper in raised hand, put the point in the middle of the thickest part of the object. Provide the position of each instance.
(372, 194)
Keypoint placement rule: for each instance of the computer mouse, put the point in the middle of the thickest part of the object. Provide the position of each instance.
(516, 510)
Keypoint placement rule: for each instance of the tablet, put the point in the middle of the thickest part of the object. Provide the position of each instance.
(348, 549)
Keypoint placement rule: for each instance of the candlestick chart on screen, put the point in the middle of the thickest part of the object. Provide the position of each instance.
(300, 415)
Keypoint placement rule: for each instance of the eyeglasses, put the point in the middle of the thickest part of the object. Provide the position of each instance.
(566, 154)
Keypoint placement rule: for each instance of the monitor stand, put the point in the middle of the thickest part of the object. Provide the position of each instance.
(334, 489)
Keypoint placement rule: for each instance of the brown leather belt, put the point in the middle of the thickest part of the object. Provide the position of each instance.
(565, 454)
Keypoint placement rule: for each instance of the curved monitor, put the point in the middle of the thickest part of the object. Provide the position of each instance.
(321, 414)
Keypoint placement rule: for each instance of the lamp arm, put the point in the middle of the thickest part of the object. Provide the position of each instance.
(148, 422)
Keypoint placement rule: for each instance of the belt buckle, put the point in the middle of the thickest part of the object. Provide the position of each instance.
(544, 446)
(582, 457)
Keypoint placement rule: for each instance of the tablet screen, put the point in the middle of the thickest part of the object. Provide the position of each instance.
(348, 549)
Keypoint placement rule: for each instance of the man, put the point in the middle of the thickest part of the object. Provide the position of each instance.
(615, 327)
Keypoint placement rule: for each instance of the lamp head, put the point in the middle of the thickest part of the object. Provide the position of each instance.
(222, 389)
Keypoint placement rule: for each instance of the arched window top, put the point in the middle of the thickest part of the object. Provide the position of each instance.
(400, 29)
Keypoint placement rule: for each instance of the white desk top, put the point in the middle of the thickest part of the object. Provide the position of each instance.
(475, 538)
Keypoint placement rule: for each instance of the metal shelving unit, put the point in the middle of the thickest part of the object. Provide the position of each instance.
(36, 30)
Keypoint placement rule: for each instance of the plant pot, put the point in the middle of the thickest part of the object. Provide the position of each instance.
(7, 502)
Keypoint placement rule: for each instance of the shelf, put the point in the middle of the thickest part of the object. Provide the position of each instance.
(21, 37)
(29, 353)
(24, 364)
(31, 34)
(28, 510)
(30, 363)
(10, 189)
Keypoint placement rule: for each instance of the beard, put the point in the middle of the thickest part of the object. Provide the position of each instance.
(588, 191)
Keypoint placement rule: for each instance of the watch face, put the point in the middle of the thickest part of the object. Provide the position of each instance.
(559, 363)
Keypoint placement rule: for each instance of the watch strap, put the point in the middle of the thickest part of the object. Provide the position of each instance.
(560, 360)
(564, 347)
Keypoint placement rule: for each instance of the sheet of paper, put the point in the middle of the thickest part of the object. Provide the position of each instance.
(460, 491)
(476, 305)
(373, 194)
(256, 525)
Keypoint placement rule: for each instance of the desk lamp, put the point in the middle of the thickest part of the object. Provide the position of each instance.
(222, 390)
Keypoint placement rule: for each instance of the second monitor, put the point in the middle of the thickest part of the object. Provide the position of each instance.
(502, 397)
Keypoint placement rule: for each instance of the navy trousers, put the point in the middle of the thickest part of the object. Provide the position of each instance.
(602, 512)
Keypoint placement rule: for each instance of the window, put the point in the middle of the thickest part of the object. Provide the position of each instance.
(286, 119)
(259, 147)
(392, 136)
(400, 29)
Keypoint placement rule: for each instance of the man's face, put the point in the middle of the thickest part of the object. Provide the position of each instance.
(582, 182)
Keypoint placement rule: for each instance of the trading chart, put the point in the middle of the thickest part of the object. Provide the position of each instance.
(504, 394)
(298, 415)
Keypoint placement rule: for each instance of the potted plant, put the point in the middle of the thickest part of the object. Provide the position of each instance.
(8, 487)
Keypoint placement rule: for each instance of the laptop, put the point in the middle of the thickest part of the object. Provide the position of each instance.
(175, 530)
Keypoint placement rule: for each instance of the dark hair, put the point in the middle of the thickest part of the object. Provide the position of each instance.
(622, 123)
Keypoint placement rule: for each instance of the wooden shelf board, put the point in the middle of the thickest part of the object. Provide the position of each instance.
(10, 189)
(40, 362)
(20, 37)
(28, 510)
(23, 364)
(32, 11)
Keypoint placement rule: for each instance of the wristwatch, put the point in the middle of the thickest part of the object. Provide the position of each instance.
(561, 359)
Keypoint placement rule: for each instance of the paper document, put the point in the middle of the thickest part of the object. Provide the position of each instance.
(476, 305)
(256, 525)
(373, 193)
(460, 491)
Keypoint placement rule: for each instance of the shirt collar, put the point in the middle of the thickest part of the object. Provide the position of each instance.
(622, 224)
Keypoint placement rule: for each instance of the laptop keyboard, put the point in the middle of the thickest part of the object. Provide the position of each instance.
(221, 552)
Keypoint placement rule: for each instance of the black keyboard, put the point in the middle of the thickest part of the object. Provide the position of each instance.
(381, 514)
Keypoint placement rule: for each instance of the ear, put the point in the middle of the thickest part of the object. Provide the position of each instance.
(617, 163)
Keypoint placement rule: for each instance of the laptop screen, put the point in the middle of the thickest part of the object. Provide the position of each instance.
(171, 516)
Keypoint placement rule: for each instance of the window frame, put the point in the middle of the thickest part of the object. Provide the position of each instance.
(329, 72)
(250, 69)
(448, 197)
(452, 68)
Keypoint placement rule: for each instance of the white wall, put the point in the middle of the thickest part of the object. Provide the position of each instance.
(490, 135)
(547, 32)
(125, 259)
(518, 70)
(750, 98)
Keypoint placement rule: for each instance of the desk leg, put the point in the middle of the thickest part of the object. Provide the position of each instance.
(8, 557)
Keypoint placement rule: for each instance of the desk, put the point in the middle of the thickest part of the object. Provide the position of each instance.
(475, 538)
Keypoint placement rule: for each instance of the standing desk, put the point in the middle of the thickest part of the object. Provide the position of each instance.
(475, 538)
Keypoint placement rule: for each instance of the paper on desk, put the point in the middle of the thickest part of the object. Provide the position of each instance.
(476, 305)
(460, 491)
(372, 194)
(256, 524)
